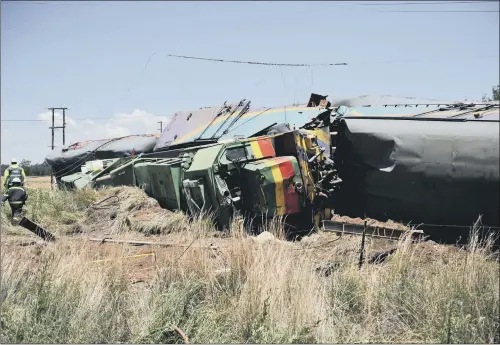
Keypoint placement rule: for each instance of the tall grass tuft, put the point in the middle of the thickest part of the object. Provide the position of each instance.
(243, 291)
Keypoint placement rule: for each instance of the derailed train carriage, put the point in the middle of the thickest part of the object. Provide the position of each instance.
(442, 174)
(302, 162)
(435, 167)
(75, 164)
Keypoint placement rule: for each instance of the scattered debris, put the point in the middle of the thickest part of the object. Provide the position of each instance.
(222, 270)
(181, 333)
(126, 257)
(326, 268)
(176, 331)
(142, 243)
(379, 257)
(264, 238)
(36, 229)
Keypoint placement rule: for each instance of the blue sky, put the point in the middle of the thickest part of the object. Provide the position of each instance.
(91, 58)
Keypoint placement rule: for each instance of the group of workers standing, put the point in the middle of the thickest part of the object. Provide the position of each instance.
(13, 186)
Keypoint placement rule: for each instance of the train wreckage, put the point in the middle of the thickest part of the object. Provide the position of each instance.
(434, 165)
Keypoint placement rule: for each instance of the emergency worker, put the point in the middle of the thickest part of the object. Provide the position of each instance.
(14, 170)
(16, 195)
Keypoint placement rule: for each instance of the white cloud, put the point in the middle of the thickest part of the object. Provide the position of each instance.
(122, 124)
(31, 140)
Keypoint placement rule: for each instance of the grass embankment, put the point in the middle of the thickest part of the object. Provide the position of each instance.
(242, 291)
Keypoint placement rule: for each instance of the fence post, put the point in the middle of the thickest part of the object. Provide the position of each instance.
(362, 250)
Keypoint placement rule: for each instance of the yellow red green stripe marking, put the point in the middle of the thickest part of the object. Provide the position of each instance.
(262, 148)
(285, 199)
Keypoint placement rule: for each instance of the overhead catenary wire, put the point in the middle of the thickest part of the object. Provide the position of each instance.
(312, 81)
(139, 77)
(372, 5)
(261, 63)
(257, 62)
(76, 119)
(250, 119)
(309, 65)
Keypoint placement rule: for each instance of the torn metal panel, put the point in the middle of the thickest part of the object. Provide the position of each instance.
(381, 100)
(184, 125)
(418, 171)
(481, 113)
(256, 120)
(318, 100)
(181, 131)
(485, 111)
(70, 159)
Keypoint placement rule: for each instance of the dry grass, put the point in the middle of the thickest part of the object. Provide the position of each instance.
(240, 290)
(38, 182)
(35, 182)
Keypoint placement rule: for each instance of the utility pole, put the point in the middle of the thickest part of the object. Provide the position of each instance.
(64, 126)
(161, 126)
(53, 127)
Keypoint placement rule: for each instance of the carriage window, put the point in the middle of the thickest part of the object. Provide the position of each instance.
(235, 154)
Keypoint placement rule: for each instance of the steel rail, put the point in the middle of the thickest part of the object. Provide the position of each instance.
(372, 231)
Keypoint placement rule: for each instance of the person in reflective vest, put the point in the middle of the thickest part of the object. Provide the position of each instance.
(16, 195)
(14, 170)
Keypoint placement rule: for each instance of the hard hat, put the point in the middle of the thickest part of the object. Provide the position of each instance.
(13, 160)
(16, 180)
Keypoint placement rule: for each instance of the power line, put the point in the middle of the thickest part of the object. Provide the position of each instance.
(267, 109)
(79, 119)
(258, 63)
(23, 120)
(304, 64)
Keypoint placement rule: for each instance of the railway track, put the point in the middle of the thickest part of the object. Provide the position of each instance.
(342, 228)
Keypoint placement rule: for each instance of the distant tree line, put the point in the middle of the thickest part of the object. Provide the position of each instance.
(495, 94)
(42, 169)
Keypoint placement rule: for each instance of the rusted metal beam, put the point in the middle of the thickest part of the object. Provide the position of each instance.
(36, 229)
(378, 232)
(140, 243)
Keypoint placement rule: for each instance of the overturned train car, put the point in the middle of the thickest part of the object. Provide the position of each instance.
(69, 160)
(259, 178)
(440, 173)
(302, 162)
